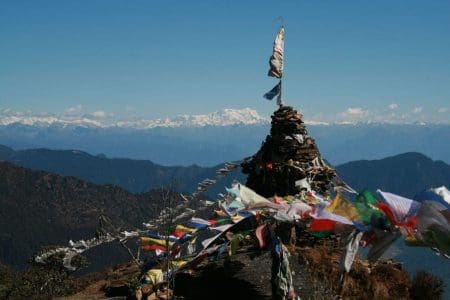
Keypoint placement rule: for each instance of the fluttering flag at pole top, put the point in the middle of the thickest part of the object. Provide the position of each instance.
(276, 60)
(273, 92)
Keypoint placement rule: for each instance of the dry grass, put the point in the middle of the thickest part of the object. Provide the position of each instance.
(426, 286)
(382, 280)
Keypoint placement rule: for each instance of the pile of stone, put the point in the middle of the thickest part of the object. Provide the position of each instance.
(288, 160)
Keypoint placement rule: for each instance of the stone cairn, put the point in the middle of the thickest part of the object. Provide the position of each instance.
(288, 160)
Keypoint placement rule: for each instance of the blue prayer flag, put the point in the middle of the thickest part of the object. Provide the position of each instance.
(273, 92)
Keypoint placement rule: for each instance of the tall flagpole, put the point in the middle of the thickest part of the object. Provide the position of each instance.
(281, 45)
(279, 98)
(276, 67)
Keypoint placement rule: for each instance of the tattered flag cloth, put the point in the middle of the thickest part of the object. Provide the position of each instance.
(153, 247)
(294, 211)
(433, 228)
(185, 229)
(409, 224)
(252, 200)
(276, 60)
(273, 92)
(262, 234)
(402, 208)
(321, 227)
(369, 213)
(195, 225)
(200, 221)
(152, 241)
(179, 234)
(343, 207)
(154, 276)
(156, 235)
(437, 195)
(350, 250)
(321, 213)
(384, 240)
(223, 229)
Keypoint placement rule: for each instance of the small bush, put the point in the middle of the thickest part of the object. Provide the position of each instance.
(426, 286)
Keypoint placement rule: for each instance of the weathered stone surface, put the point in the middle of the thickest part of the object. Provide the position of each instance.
(287, 155)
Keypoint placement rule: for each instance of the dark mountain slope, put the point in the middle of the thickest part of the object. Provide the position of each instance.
(404, 174)
(39, 208)
(133, 175)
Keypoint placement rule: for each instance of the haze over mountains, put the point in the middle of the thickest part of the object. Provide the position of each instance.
(211, 139)
(405, 174)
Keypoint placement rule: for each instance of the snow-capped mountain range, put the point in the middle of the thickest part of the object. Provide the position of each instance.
(225, 117)
(209, 139)
(101, 119)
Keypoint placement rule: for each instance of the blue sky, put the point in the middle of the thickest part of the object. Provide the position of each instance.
(376, 60)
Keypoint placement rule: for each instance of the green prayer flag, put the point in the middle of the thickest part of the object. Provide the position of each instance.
(366, 205)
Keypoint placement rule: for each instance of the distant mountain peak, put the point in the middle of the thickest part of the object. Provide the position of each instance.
(224, 117)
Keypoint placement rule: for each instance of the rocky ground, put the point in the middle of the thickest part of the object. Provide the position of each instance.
(246, 275)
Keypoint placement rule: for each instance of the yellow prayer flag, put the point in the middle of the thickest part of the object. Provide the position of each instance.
(151, 241)
(343, 207)
(185, 229)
